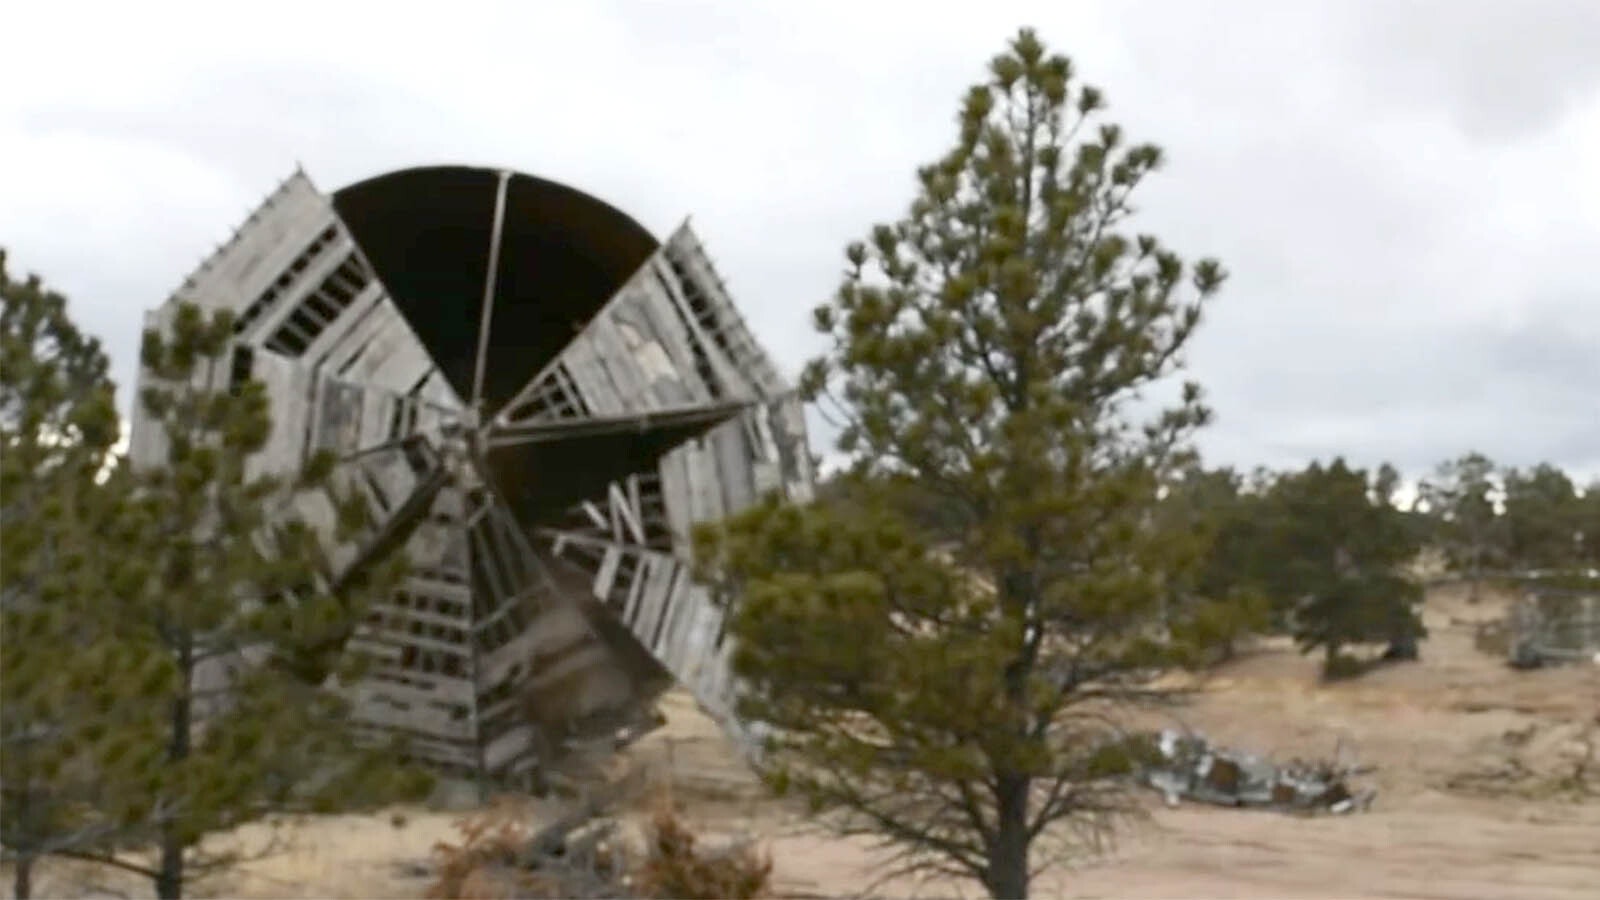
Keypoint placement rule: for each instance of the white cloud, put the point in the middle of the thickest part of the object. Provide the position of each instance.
(1407, 193)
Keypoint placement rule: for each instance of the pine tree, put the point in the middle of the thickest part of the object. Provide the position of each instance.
(65, 681)
(1395, 530)
(1460, 502)
(225, 591)
(1587, 540)
(1333, 541)
(231, 571)
(1542, 510)
(960, 704)
(1222, 601)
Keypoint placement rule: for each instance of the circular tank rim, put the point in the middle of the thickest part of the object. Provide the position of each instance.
(451, 170)
(428, 230)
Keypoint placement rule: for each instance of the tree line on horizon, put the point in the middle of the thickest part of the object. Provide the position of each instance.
(1266, 540)
(948, 642)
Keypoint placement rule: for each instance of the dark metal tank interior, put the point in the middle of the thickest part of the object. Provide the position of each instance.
(564, 253)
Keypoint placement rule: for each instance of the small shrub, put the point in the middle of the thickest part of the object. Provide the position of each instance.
(675, 869)
(497, 858)
(490, 843)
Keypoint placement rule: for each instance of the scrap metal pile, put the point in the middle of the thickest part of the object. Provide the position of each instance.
(1191, 767)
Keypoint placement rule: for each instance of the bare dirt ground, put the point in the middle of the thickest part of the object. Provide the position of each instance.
(1473, 764)
(1475, 773)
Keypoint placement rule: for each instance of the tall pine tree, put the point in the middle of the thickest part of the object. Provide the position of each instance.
(1222, 600)
(67, 683)
(170, 632)
(1334, 544)
(988, 346)
(1542, 512)
(231, 589)
(1460, 502)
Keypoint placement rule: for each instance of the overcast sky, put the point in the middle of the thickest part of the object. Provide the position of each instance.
(1406, 193)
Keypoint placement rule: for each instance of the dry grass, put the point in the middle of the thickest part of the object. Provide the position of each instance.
(1493, 638)
(481, 864)
(502, 852)
(676, 869)
(324, 856)
(1537, 763)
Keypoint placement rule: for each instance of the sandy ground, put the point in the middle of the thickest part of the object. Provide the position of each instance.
(1447, 822)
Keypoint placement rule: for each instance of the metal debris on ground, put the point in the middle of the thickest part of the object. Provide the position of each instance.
(1550, 626)
(1190, 767)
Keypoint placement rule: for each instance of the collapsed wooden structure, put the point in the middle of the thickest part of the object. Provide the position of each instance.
(1554, 625)
(540, 400)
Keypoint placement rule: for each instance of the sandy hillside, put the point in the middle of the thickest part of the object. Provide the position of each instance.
(1469, 758)
(1455, 815)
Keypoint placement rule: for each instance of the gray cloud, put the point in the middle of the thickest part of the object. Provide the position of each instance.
(1500, 70)
(1407, 193)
